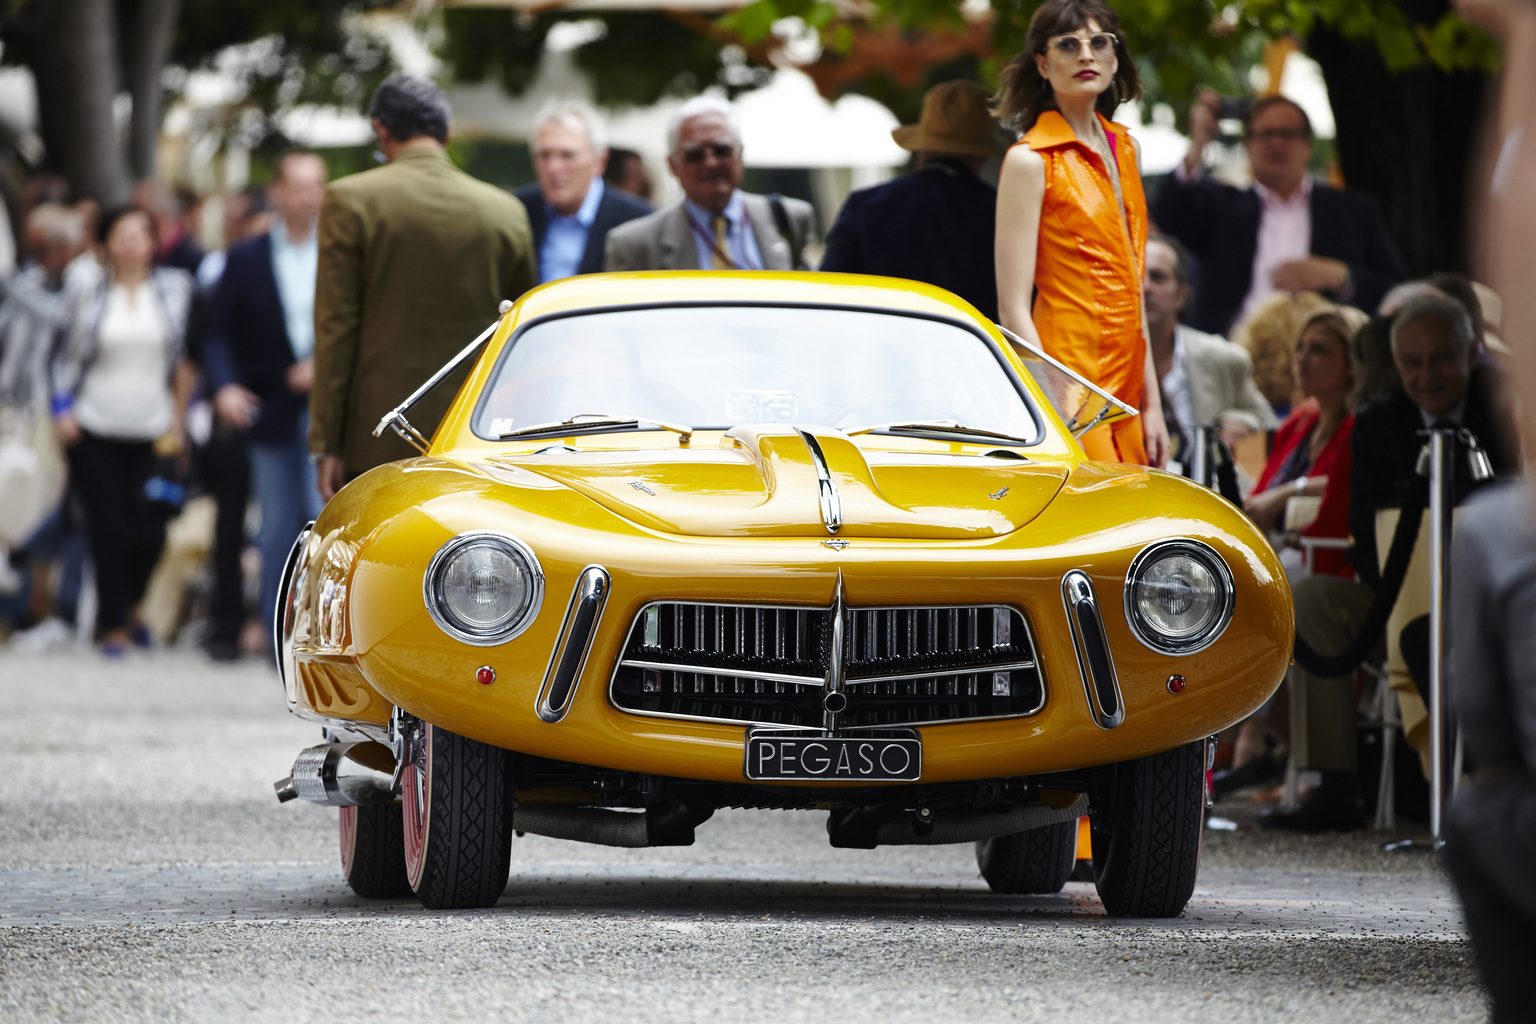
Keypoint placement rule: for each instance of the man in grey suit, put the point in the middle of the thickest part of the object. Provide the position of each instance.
(716, 226)
(1206, 379)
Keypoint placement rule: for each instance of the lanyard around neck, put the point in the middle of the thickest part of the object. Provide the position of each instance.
(708, 238)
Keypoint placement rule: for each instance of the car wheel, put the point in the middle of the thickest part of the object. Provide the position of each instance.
(1037, 861)
(457, 818)
(373, 851)
(1146, 842)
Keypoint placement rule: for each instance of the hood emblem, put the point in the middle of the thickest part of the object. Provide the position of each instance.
(826, 491)
(999, 495)
(836, 543)
(637, 485)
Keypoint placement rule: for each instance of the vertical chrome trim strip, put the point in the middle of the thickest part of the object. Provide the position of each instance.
(1082, 609)
(835, 664)
(569, 657)
(826, 491)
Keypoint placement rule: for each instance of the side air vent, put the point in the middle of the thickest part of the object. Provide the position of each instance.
(1093, 658)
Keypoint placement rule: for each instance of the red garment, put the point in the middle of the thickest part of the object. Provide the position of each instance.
(1334, 462)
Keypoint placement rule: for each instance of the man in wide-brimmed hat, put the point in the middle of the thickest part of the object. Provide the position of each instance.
(935, 224)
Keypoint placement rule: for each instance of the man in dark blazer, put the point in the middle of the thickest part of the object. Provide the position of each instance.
(258, 357)
(1442, 385)
(936, 224)
(571, 208)
(1285, 232)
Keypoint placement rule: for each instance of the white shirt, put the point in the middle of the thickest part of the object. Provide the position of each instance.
(740, 243)
(1176, 382)
(126, 395)
(1285, 234)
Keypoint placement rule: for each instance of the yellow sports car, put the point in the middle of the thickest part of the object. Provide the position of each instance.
(690, 541)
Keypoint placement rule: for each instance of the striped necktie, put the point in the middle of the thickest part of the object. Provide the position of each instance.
(719, 259)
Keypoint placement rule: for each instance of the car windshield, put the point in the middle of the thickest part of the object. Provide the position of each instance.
(716, 367)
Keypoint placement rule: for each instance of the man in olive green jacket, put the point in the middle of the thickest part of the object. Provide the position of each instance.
(415, 257)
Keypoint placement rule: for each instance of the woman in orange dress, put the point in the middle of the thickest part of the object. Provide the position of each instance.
(1072, 218)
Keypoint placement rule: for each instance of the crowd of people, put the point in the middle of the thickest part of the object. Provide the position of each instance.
(1279, 311)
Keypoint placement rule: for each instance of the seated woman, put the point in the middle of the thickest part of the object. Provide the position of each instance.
(1311, 452)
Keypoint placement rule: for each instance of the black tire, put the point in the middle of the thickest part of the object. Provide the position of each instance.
(373, 851)
(1146, 842)
(457, 816)
(1038, 861)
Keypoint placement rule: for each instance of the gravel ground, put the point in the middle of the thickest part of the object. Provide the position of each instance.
(149, 874)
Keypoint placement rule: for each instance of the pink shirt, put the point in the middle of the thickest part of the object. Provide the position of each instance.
(1285, 234)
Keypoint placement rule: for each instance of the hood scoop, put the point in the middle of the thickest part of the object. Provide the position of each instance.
(778, 480)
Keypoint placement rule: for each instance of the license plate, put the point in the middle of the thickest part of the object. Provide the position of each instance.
(780, 756)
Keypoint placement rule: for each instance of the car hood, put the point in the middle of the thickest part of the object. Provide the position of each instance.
(762, 481)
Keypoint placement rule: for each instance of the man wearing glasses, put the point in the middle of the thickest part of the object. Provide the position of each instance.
(1285, 232)
(716, 226)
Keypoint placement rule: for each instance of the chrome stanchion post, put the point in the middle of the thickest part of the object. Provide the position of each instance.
(1200, 457)
(1442, 481)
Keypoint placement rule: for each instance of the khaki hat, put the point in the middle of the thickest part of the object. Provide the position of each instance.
(955, 120)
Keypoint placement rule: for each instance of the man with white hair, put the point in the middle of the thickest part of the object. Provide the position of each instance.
(716, 226)
(571, 209)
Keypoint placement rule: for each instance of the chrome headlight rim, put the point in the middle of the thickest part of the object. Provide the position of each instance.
(431, 582)
(1201, 552)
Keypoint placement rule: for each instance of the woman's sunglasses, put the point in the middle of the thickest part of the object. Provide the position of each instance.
(1100, 44)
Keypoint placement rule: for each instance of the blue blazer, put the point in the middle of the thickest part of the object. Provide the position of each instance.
(934, 225)
(247, 341)
(1219, 224)
(617, 207)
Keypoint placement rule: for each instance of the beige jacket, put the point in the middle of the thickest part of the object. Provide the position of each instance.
(664, 241)
(1221, 383)
(415, 257)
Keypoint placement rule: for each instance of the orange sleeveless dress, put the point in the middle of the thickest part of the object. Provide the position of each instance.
(1089, 268)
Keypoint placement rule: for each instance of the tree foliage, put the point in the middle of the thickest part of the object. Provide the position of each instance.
(635, 58)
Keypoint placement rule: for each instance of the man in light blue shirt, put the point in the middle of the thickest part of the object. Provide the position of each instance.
(259, 359)
(570, 208)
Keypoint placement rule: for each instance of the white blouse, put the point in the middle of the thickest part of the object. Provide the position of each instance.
(126, 393)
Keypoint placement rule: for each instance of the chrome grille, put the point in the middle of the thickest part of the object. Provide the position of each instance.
(765, 665)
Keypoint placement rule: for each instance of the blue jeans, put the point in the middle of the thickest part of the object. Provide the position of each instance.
(284, 480)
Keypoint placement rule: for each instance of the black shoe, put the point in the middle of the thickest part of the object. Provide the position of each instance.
(223, 650)
(1262, 770)
(1334, 806)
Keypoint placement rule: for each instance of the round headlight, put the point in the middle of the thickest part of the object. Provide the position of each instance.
(484, 588)
(1178, 596)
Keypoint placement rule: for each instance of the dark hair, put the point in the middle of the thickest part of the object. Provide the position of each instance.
(255, 197)
(1180, 255)
(618, 163)
(1021, 91)
(1458, 287)
(1260, 105)
(108, 220)
(409, 107)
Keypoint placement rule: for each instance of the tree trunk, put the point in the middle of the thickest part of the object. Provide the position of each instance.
(1409, 140)
(77, 57)
(150, 44)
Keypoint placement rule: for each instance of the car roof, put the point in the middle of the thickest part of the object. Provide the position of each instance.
(598, 291)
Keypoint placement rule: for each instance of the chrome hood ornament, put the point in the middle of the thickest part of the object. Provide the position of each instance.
(826, 491)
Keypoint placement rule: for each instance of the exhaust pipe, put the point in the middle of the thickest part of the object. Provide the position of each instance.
(341, 775)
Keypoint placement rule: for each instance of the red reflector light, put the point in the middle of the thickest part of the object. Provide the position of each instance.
(1175, 684)
(485, 675)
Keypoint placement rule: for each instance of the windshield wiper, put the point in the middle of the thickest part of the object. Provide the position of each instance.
(936, 427)
(596, 419)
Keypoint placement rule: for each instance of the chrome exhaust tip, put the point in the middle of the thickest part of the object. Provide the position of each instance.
(341, 775)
